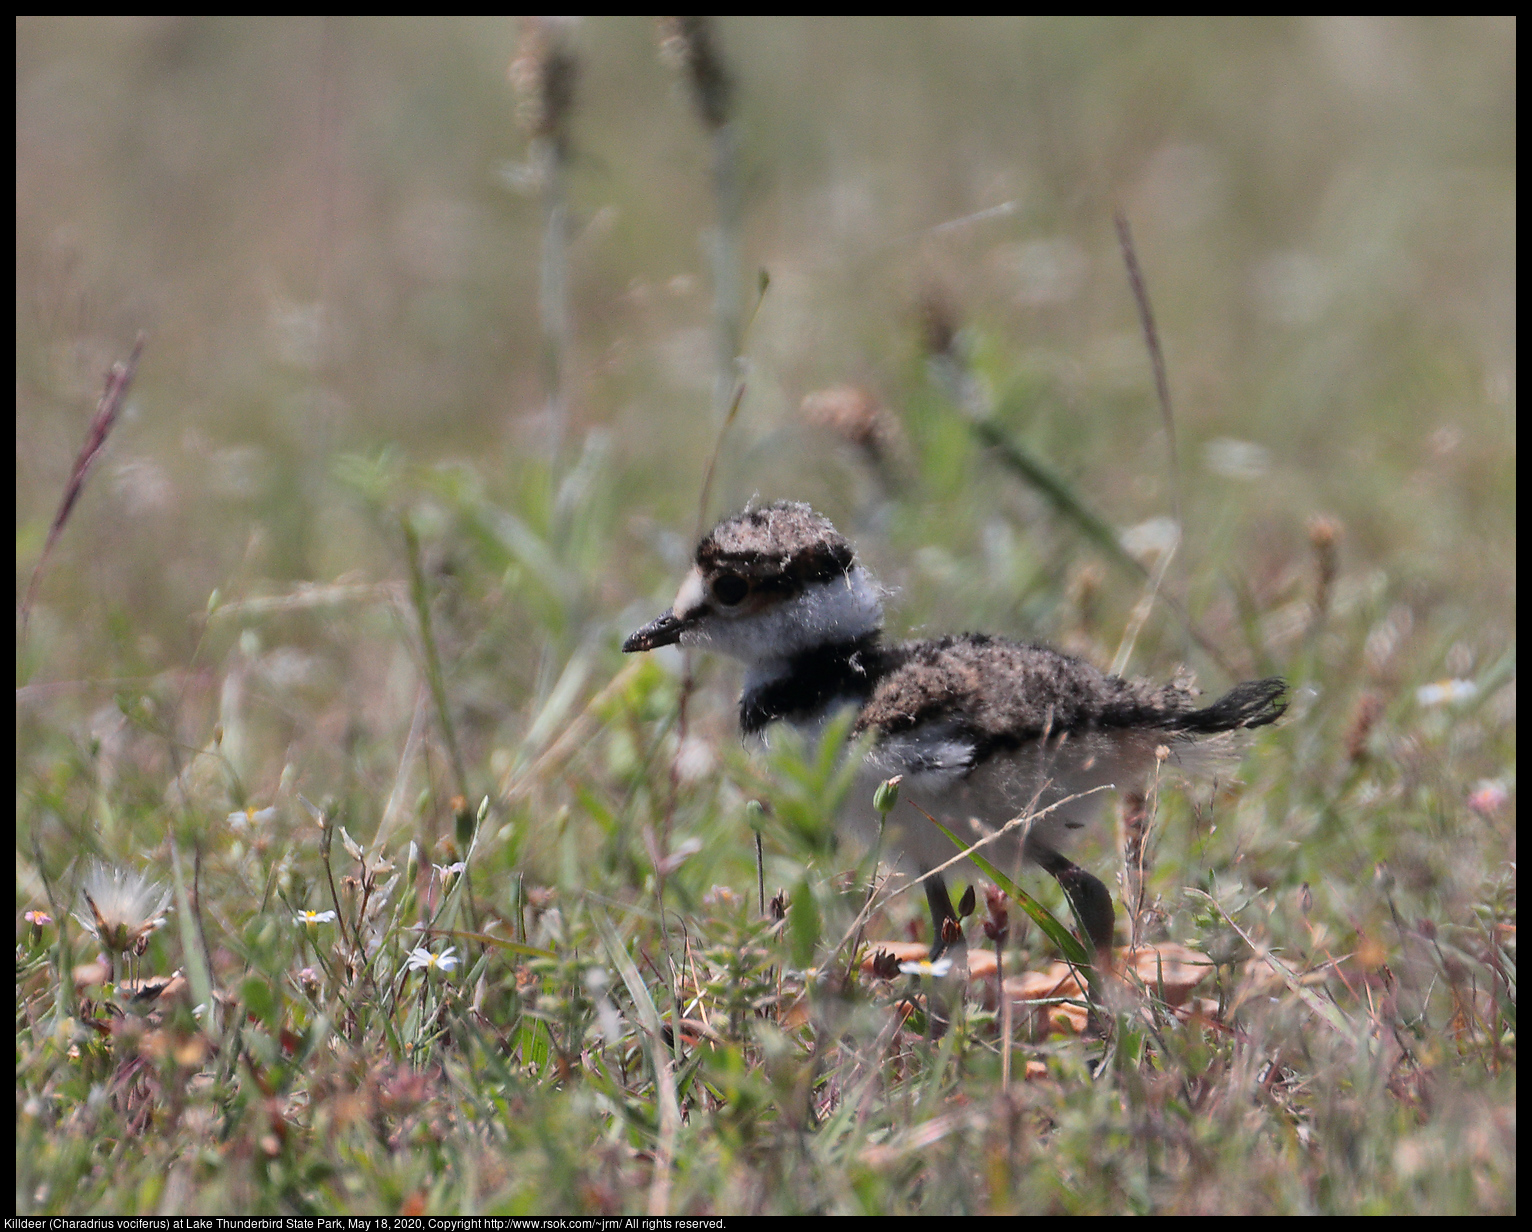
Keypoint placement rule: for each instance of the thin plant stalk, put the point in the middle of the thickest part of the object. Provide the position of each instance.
(553, 289)
(107, 409)
(421, 599)
(543, 75)
(1156, 353)
(1006, 1027)
(690, 46)
(1157, 362)
(725, 253)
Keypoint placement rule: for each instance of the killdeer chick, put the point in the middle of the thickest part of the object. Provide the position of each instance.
(981, 728)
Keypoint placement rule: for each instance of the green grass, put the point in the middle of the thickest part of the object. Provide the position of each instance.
(330, 573)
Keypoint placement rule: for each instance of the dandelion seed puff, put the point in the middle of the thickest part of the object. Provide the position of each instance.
(124, 906)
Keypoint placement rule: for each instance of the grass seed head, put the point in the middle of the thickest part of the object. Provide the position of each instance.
(124, 907)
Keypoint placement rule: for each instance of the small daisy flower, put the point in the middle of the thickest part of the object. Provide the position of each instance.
(37, 919)
(448, 871)
(125, 907)
(421, 959)
(313, 918)
(243, 819)
(925, 966)
(1443, 692)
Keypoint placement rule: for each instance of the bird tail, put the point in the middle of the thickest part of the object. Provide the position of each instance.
(1255, 703)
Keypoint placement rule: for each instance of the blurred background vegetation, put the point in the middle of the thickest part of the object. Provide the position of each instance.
(332, 233)
(318, 225)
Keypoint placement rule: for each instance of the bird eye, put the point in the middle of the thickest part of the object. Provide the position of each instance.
(730, 589)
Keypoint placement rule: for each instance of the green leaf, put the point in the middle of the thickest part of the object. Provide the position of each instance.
(1068, 943)
(669, 1108)
(803, 925)
(534, 1042)
(259, 999)
(191, 945)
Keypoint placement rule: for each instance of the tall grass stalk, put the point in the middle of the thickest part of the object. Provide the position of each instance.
(118, 380)
(690, 45)
(544, 75)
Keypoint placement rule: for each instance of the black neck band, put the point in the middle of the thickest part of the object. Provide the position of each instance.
(813, 681)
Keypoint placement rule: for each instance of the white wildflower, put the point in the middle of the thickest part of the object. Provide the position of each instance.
(1444, 692)
(926, 966)
(241, 820)
(421, 959)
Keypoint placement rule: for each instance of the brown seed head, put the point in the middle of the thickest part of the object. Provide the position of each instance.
(690, 46)
(543, 77)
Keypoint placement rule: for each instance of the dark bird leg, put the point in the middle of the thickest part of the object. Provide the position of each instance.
(946, 930)
(1091, 900)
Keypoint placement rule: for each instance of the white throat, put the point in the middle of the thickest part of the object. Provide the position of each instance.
(825, 614)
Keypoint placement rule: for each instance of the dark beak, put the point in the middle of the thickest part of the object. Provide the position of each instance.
(664, 630)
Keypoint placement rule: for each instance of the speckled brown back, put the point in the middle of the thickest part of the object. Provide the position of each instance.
(1003, 693)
